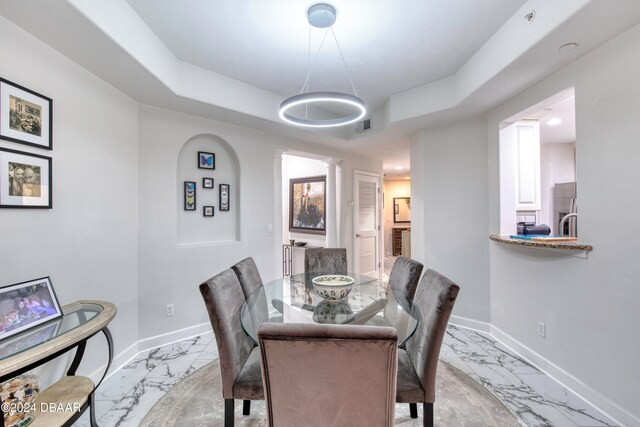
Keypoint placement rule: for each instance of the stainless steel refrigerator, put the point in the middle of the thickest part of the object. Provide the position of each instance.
(565, 203)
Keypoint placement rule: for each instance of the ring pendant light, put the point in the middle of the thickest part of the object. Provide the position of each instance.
(322, 15)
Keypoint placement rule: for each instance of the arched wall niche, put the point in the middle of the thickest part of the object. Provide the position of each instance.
(193, 226)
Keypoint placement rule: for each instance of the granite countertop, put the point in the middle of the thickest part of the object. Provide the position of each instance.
(571, 245)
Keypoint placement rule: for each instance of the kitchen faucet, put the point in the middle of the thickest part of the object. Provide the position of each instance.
(564, 218)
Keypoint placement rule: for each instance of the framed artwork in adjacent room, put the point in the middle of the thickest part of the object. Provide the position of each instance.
(206, 160)
(224, 205)
(402, 209)
(25, 180)
(207, 183)
(26, 117)
(189, 196)
(27, 304)
(307, 200)
(207, 210)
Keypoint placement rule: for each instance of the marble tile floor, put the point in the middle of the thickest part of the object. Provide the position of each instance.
(536, 400)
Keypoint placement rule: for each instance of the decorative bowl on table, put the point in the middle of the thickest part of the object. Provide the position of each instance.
(332, 287)
(301, 243)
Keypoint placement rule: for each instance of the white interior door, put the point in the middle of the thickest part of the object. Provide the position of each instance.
(366, 241)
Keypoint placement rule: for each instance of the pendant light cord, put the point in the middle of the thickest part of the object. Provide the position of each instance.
(343, 61)
(311, 66)
(306, 81)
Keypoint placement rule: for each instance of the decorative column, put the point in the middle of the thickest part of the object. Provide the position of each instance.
(277, 206)
(330, 207)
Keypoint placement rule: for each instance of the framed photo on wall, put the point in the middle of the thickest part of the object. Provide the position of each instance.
(206, 160)
(224, 197)
(307, 201)
(189, 196)
(27, 304)
(26, 117)
(207, 211)
(25, 180)
(207, 183)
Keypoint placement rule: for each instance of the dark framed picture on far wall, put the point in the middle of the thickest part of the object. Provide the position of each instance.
(224, 204)
(307, 205)
(206, 160)
(25, 180)
(207, 183)
(189, 196)
(26, 117)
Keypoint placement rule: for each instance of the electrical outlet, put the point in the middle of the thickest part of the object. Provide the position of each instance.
(542, 329)
(170, 310)
(269, 228)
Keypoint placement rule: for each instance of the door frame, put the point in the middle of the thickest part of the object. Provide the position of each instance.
(379, 213)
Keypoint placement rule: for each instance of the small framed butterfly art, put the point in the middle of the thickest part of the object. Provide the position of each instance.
(206, 160)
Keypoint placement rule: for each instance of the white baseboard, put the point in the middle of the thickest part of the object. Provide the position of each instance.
(117, 363)
(173, 336)
(465, 322)
(618, 414)
(146, 344)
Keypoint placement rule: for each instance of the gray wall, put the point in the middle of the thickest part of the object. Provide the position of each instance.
(449, 200)
(590, 306)
(88, 242)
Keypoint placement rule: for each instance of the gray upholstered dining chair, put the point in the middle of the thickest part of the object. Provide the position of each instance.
(328, 375)
(417, 363)
(325, 260)
(239, 357)
(248, 275)
(405, 276)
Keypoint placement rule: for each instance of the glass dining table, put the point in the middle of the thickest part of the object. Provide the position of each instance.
(293, 300)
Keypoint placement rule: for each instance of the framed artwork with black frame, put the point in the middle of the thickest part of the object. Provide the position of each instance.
(189, 196)
(26, 117)
(25, 180)
(207, 183)
(27, 304)
(307, 201)
(206, 160)
(224, 205)
(402, 209)
(207, 211)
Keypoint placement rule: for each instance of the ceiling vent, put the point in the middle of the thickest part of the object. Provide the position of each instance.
(363, 126)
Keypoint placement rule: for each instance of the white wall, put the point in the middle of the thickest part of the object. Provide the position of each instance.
(590, 306)
(170, 273)
(393, 188)
(557, 165)
(449, 210)
(88, 242)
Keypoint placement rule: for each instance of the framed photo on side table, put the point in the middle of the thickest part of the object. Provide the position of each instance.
(25, 180)
(26, 117)
(189, 196)
(27, 304)
(224, 197)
